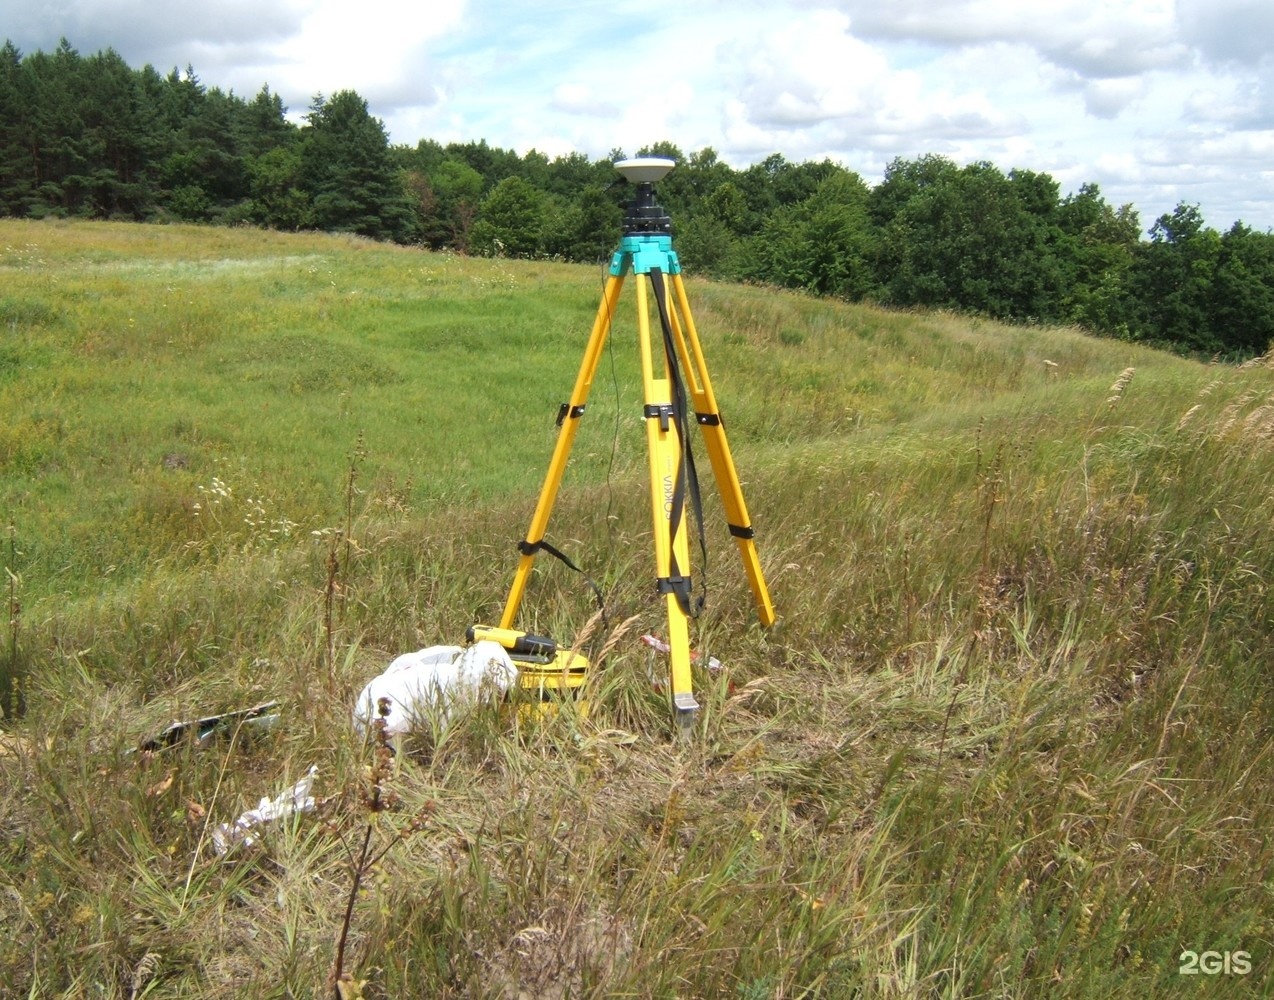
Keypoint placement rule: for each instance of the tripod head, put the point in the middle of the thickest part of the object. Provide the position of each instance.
(643, 214)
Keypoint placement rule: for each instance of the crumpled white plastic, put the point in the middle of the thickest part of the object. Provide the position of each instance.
(659, 646)
(241, 831)
(435, 681)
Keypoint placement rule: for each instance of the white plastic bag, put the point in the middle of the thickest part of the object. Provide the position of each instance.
(434, 681)
(243, 830)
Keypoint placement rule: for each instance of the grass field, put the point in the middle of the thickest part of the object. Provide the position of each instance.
(1011, 737)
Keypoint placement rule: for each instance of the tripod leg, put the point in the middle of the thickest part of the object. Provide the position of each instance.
(562, 449)
(708, 417)
(672, 549)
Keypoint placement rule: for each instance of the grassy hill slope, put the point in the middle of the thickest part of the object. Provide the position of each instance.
(1011, 737)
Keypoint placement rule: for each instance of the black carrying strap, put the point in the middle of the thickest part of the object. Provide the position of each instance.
(528, 548)
(687, 479)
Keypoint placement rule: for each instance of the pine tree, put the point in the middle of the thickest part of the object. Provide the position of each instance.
(348, 172)
(17, 180)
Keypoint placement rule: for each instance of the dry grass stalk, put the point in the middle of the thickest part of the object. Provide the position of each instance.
(143, 972)
(617, 635)
(1120, 385)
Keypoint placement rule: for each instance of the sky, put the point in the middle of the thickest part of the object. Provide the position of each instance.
(1158, 102)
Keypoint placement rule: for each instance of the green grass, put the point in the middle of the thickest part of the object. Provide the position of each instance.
(1011, 737)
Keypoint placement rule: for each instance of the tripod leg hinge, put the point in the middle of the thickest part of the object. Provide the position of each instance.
(567, 410)
(742, 531)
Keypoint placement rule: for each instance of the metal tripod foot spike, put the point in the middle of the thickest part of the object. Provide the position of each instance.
(677, 394)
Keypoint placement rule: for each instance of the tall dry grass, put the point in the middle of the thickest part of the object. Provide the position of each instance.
(1011, 737)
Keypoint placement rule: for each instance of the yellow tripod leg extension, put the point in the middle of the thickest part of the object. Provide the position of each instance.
(672, 551)
(708, 417)
(672, 548)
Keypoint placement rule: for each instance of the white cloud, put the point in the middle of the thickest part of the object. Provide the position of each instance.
(813, 85)
(808, 70)
(379, 48)
(581, 99)
(1225, 31)
(1114, 38)
(1152, 99)
(145, 24)
(1109, 98)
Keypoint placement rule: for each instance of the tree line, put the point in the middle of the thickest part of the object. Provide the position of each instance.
(88, 136)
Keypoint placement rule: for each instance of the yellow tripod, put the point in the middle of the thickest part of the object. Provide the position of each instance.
(680, 393)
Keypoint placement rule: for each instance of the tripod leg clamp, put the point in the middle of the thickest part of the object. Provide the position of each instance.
(664, 412)
(567, 410)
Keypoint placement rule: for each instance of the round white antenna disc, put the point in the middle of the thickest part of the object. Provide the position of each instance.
(645, 169)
